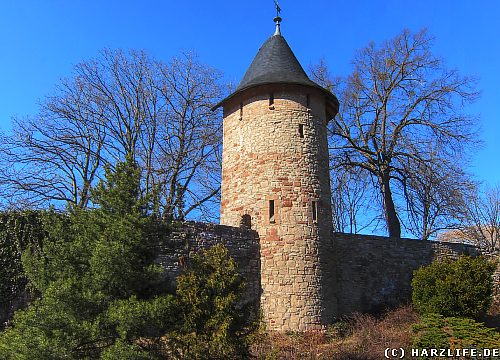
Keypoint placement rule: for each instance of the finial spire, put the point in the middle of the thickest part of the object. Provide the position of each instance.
(277, 19)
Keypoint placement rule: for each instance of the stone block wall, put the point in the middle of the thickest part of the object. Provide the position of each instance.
(191, 237)
(275, 172)
(368, 273)
(375, 272)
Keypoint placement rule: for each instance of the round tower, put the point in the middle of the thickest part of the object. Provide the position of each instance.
(275, 178)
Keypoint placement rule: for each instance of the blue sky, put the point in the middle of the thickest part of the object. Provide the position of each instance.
(40, 42)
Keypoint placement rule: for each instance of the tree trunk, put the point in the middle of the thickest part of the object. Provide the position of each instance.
(391, 217)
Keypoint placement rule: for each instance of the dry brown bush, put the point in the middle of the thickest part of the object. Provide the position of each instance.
(358, 337)
(371, 336)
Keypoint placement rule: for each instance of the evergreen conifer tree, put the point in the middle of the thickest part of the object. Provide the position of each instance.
(99, 288)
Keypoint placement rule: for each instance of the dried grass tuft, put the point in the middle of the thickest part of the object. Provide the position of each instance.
(358, 337)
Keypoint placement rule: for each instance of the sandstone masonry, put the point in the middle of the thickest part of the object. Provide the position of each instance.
(191, 237)
(275, 172)
(275, 180)
(374, 272)
(368, 273)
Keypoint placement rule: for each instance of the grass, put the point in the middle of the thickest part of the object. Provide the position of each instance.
(358, 337)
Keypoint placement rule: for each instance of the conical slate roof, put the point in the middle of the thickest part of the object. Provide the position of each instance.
(275, 63)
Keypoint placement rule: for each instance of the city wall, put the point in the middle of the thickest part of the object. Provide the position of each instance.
(375, 272)
(191, 237)
(370, 273)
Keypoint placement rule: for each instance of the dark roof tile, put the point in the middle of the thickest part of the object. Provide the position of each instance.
(275, 63)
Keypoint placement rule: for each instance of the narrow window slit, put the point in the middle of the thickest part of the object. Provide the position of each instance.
(301, 130)
(308, 101)
(314, 210)
(271, 211)
(271, 99)
(241, 111)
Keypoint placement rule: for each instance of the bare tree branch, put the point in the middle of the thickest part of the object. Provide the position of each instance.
(400, 105)
(118, 105)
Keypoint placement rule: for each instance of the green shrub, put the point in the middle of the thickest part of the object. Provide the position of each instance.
(460, 288)
(125, 351)
(214, 324)
(436, 331)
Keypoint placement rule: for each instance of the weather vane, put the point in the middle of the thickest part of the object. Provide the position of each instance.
(277, 19)
(278, 9)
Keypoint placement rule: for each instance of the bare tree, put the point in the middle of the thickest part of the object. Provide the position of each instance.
(55, 156)
(434, 195)
(118, 105)
(321, 75)
(481, 224)
(352, 198)
(190, 160)
(352, 201)
(397, 104)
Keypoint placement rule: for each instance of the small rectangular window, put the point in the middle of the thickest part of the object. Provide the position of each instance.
(314, 208)
(271, 211)
(241, 111)
(271, 99)
(308, 101)
(301, 130)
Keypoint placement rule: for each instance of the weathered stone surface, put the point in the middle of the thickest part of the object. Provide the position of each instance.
(191, 237)
(275, 171)
(367, 273)
(375, 272)
(275, 180)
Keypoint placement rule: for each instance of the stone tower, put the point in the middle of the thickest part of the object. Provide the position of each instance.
(275, 178)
